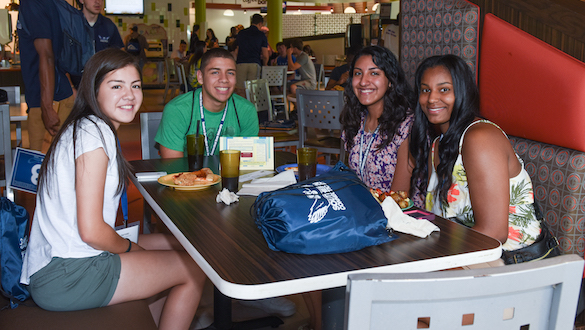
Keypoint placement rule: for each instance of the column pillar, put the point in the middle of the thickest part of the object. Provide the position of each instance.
(200, 18)
(274, 18)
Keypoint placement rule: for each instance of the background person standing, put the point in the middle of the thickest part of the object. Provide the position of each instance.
(194, 39)
(49, 95)
(105, 32)
(136, 44)
(252, 53)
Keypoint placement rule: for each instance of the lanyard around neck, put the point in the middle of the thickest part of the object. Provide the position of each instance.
(207, 151)
(364, 153)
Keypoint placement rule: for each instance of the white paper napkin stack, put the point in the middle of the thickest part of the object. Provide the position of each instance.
(403, 223)
(258, 186)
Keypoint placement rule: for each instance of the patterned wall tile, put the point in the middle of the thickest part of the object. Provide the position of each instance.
(310, 24)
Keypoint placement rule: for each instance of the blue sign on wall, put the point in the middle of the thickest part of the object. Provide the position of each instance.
(25, 170)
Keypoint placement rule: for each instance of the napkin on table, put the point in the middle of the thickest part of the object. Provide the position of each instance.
(227, 197)
(260, 185)
(403, 223)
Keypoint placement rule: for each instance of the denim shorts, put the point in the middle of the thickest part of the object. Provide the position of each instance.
(69, 284)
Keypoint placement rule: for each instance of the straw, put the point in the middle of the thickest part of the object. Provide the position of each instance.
(197, 134)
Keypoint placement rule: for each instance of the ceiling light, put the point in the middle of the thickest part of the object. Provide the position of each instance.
(375, 7)
(245, 12)
(228, 12)
(349, 10)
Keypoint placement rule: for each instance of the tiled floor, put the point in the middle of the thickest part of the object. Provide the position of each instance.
(129, 135)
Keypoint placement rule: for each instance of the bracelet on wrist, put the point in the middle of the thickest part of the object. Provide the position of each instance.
(129, 245)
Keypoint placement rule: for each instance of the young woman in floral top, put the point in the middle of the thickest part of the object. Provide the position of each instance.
(376, 121)
(470, 172)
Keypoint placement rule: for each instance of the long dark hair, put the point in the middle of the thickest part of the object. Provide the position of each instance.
(86, 105)
(197, 54)
(398, 100)
(465, 109)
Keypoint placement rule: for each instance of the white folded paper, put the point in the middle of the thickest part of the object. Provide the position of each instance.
(403, 223)
(149, 176)
(258, 186)
(227, 197)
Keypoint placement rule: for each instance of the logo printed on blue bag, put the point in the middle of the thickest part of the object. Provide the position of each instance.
(317, 191)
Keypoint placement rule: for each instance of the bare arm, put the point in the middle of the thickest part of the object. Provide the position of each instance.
(291, 64)
(90, 181)
(485, 158)
(265, 56)
(44, 48)
(403, 171)
(170, 153)
(330, 84)
(342, 79)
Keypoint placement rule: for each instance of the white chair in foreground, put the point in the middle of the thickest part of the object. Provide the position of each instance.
(535, 295)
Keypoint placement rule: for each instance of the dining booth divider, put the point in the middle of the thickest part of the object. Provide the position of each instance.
(534, 92)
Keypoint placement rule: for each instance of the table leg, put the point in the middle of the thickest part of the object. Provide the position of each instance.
(222, 316)
(146, 218)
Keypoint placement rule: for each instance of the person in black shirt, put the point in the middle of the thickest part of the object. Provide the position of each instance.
(194, 39)
(252, 53)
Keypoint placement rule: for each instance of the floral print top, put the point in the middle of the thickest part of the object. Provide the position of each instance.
(192, 77)
(380, 165)
(523, 227)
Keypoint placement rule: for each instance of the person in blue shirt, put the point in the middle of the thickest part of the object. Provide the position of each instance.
(340, 75)
(48, 91)
(281, 59)
(105, 32)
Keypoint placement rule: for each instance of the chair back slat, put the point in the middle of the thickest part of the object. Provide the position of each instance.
(536, 295)
(258, 92)
(149, 122)
(320, 110)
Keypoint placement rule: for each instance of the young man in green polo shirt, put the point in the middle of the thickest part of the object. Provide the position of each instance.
(219, 111)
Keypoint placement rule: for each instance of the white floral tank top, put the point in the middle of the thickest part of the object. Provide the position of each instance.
(523, 227)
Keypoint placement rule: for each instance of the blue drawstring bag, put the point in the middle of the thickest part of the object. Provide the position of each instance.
(14, 228)
(331, 213)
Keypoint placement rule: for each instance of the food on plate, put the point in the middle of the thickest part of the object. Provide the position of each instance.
(204, 175)
(400, 197)
(294, 168)
(338, 88)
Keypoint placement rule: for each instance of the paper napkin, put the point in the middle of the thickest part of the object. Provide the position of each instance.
(227, 197)
(403, 223)
(258, 186)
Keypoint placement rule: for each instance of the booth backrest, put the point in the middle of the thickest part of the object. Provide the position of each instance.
(437, 28)
(536, 93)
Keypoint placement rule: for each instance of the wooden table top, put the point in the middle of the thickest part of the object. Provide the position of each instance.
(229, 247)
